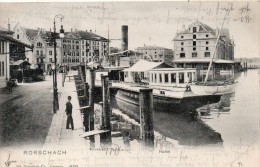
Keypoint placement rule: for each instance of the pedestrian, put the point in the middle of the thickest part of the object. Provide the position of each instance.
(69, 114)
(10, 85)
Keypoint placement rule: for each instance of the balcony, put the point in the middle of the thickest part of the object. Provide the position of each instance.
(41, 56)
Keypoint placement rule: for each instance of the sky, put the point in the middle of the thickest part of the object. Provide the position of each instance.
(149, 23)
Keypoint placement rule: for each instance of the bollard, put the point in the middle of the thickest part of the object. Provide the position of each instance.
(146, 117)
(91, 104)
(105, 138)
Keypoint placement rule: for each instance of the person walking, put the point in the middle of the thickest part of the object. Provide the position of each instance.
(69, 114)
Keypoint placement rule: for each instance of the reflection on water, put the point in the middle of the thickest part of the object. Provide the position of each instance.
(231, 121)
(236, 116)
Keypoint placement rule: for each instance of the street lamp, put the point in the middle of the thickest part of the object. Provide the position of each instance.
(55, 36)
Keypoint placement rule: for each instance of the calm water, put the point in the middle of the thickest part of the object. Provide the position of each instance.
(235, 120)
(240, 125)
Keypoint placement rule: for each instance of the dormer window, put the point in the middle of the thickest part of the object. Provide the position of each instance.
(194, 29)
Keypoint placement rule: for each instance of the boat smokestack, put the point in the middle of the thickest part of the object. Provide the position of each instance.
(124, 38)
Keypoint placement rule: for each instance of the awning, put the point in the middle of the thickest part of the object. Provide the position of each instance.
(142, 66)
(203, 61)
(8, 38)
(19, 62)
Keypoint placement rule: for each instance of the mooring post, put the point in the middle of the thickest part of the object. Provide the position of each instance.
(105, 138)
(91, 104)
(146, 117)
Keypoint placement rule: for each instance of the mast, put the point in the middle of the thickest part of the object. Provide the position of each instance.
(211, 60)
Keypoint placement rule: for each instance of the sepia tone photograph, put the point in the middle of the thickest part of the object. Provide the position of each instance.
(129, 83)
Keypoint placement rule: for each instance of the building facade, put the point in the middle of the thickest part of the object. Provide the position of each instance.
(198, 42)
(11, 50)
(155, 53)
(76, 47)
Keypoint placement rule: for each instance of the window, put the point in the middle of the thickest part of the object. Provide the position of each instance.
(37, 52)
(17, 36)
(194, 29)
(182, 55)
(181, 77)
(2, 48)
(194, 49)
(155, 52)
(155, 80)
(207, 35)
(194, 36)
(166, 78)
(181, 43)
(207, 54)
(194, 43)
(82, 53)
(50, 52)
(27, 59)
(207, 48)
(64, 46)
(160, 78)
(50, 60)
(194, 54)
(182, 49)
(207, 42)
(173, 78)
(2, 68)
(181, 36)
(77, 47)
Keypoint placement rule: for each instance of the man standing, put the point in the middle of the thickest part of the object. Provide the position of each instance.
(69, 114)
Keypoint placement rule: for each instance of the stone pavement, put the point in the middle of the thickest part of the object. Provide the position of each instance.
(58, 136)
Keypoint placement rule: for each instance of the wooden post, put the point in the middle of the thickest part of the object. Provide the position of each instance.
(105, 138)
(146, 117)
(91, 104)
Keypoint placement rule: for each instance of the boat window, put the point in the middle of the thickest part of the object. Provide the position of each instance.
(160, 78)
(181, 77)
(166, 78)
(189, 76)
(173, 78)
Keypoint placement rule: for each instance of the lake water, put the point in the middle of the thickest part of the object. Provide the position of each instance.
(227, 136)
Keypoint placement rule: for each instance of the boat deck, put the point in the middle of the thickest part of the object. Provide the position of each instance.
(136, 88)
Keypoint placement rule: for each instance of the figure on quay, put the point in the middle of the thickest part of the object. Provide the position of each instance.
(69, 114)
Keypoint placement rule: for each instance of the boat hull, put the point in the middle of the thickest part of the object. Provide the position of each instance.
(212, 89)
(128, 102)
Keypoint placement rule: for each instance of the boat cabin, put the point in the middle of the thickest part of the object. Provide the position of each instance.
(172, 76)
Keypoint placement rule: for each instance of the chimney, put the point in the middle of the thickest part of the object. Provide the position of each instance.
(9, 25)
(124, 45)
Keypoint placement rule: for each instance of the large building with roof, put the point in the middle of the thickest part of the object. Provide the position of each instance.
(11, 50)
(83, 46)
(195, 45)
(76, 47)
(155, 53)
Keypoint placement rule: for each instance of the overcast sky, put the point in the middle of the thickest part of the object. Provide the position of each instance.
(149, 23)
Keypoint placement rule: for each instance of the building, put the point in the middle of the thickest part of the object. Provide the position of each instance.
(11, 50)
(195, 45)
(83, 46)
(74, 48)
(156, 53)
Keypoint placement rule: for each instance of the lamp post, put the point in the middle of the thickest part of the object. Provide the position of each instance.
(55, 36)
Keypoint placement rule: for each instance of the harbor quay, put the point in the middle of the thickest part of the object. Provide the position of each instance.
(129, 84)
